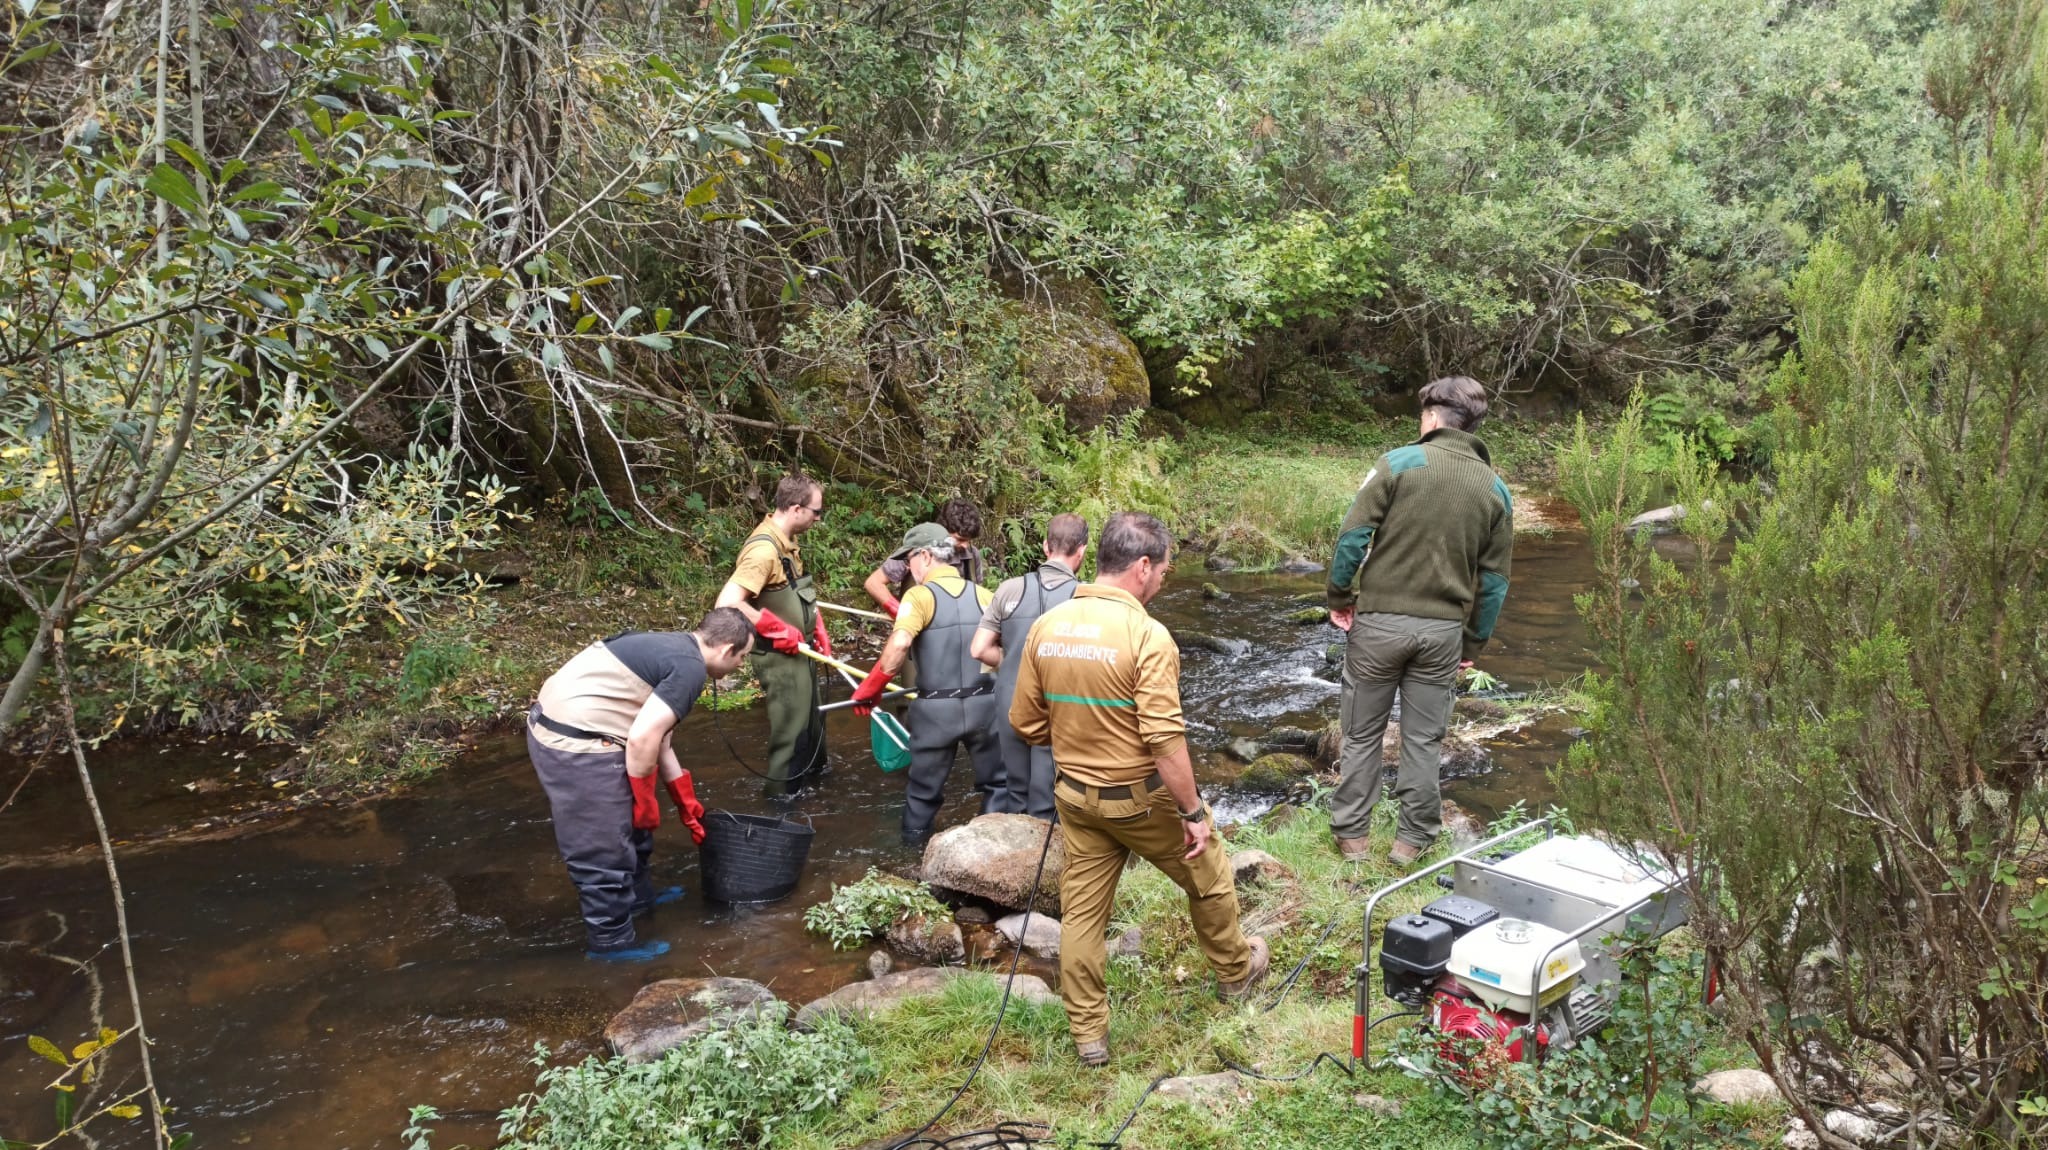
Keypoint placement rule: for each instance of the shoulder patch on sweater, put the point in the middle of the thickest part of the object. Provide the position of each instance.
(1406, 458)
(1507, 502)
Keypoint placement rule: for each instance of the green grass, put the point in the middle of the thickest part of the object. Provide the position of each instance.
(1165, 1019)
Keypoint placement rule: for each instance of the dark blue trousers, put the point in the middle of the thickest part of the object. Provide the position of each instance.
(607, 858)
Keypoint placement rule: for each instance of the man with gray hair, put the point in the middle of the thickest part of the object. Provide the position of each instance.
(1417, 583)
(955, 703)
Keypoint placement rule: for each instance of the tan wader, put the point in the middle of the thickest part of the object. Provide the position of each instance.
(1103, 827)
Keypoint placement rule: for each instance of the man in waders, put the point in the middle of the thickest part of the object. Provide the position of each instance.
(1418, 580)
(770, 588)
(1016, 605)
(955, 702)
(962, 520)
(1099, 680)
(598, 736)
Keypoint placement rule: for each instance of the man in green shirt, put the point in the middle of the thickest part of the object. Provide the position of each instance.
(1418, 580)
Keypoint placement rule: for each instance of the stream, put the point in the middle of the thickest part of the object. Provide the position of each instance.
(311, 980)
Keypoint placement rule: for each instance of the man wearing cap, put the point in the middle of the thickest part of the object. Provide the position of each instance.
(1417, 583)
(770, 588)
(955, 702)
(598, 736)
(1099, 680)
(1017, 604)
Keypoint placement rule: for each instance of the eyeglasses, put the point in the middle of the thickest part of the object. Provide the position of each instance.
(817, 512)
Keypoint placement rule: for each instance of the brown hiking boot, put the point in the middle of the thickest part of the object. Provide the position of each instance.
(1262, 961)
(1094, 1053)
(1355, 850)
(1404, 853)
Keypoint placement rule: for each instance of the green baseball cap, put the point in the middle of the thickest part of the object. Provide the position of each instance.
(922, 537)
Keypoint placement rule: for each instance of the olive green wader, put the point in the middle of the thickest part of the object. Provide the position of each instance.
(796, 730)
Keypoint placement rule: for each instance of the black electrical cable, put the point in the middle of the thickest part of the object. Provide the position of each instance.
(1117, 1138)
(916, 1137)
(815, 767)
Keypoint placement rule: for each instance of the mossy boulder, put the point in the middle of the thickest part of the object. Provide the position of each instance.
(1275, 772)
(1075, 359)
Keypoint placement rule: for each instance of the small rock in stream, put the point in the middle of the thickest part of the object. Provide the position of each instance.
(933, 940)
(1220, 563)
(1308, 615)
(1041, 937)
(1288, 739)
(1201, 641)
(1297, 565)
(1273, 773)
(879, 964)
(971, 915)
(1243, 750)
(1213, 593)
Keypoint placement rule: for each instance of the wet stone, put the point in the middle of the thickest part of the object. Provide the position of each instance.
(973, 916)
(932, 940)
(1214, 594)
(666, 1014)
(1297, 565)
(880, 963)
(1243, 750)
(1041, 936)
(1308, 615)
(1220, 563)
(1275, 772)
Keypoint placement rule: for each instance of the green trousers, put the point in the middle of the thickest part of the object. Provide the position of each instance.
(1419, 658)
(789, 686)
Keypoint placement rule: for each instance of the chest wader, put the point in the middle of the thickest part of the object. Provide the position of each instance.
(1028, 770)
(796, 731)
(955, 704)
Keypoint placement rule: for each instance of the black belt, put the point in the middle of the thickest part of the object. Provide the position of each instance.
(974, 692)
(571, 732)
(1152, 783)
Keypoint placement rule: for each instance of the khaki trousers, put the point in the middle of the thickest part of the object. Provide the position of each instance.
(1100, 834)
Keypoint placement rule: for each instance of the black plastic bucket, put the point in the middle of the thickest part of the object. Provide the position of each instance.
(753, 858)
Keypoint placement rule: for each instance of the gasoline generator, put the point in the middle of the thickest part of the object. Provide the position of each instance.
(1520, 958)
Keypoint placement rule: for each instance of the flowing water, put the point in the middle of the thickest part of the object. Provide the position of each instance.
(309, 981)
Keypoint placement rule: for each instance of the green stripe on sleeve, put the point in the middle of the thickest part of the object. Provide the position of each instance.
(1493, 591)
(1085, 701)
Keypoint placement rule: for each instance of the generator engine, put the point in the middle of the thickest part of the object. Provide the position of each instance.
(1472, 970)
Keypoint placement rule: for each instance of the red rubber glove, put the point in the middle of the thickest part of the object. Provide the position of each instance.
(780, 635)
(892, 605)
(684, 792)
(824, 639)
(646, 812)
(870, 689)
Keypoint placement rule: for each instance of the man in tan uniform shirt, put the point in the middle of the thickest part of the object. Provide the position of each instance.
(1099, 680)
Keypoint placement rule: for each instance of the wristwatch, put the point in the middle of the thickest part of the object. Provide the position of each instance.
(1201, 812)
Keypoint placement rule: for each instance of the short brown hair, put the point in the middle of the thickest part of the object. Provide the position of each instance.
(1066, 534)
(1460, 398)
(1128, 537)
(725, 625)
(960, 517)
(795, 490)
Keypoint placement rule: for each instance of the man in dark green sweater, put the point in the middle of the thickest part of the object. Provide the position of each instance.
(1418, 580)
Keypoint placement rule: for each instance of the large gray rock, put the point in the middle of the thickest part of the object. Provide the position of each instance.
(880, 996)
(666, 1014)
(1040, 937)
(993, 857)
(1073, 356)
(1463, 828)
(1212, 1091)
(1743, 1087)
(1257, 868)
(933, 940)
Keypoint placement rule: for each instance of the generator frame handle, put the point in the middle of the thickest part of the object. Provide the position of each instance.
(1361, 1032)
(1528, 1029)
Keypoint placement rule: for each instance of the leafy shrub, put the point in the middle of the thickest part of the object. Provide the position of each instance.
(861, 910)
(429, 665)
(739, 1085)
